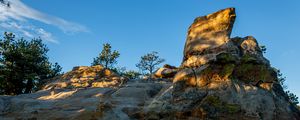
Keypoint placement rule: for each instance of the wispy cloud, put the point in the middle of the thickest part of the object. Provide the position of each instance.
(16, 19)
(26, 30)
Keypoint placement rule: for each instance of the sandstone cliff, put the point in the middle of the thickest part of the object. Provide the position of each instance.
(220, 78)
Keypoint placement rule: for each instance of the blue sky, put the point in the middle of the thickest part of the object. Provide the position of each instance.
(75, 30)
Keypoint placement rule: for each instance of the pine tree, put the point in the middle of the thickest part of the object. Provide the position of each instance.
(107, 57)
(23, 65)
(149, 62)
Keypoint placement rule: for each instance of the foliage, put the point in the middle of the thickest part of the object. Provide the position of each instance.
(227, 70)
(131, 74)
(263, 48)
(292, 97)
(107, 57)
(119, 70)
(226, 58)
(281, 79)
(149, 62)
(248, 59)
(23, 65)
(249, 72)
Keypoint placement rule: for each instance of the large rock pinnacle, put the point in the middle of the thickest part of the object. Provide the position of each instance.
(223, 78)
(208, 32)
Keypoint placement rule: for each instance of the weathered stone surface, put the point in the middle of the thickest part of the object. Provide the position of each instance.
(84, 76)
(223, 77)
(227, 100)
(55, 104)
(208, 32)
(249, 47)
(237, 58)
(167, 71)
(82, 103)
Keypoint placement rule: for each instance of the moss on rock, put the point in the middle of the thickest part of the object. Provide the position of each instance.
(226, 58)
(227, 70)
(247, 58)
(232, 108)
(249, 72)
(214, 104)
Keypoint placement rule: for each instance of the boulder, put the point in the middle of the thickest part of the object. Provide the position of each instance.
(167, 71)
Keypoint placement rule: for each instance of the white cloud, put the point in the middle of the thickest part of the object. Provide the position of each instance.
(15, 19)
(26, 30)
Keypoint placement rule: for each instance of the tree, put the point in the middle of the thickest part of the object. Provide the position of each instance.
(263, 49)
(292, 97)
(281, 79)
(149, 62)
(106, 58)
(23, 65)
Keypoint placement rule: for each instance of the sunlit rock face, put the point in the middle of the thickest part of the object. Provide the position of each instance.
(206, 33)
(167, 71)
(85, 76)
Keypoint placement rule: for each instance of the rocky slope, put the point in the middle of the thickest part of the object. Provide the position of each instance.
(219, 78)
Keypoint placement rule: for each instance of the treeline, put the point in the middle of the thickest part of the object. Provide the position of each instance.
(147, 64)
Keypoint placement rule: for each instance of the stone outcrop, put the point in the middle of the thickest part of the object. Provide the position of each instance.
(219, 78)
(207, 33)
(223, 78)
(84, 76)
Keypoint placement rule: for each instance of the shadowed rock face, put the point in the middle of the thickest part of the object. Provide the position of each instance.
(82, 103)
(208, 32)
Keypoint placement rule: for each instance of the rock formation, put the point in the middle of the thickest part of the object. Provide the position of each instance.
(219, 78)
(167, 71)
(207, 33)
(223, 78)
(84, 76)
